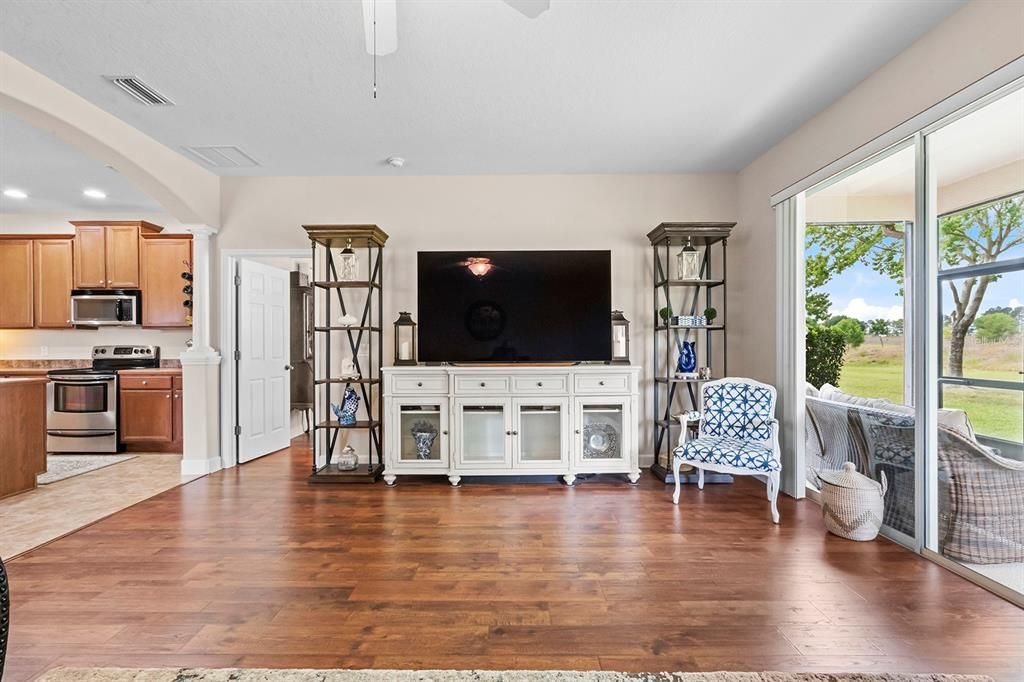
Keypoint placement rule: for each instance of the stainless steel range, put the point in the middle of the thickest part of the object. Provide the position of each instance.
(82, 402)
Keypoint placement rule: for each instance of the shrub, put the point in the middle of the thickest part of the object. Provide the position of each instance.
(851, 330)
(824, 358)
(995, 326)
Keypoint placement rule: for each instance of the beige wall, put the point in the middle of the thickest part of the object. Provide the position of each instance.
(488, 212)
(975, 41)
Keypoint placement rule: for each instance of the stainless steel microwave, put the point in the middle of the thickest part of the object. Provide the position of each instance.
(105, 307)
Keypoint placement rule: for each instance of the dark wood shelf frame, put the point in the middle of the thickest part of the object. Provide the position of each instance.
(329, 289)
(695, 295)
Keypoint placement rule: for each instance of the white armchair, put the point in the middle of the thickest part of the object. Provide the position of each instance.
(738, 435)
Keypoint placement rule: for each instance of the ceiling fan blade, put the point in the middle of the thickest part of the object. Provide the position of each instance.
(386, 14)
(529, 8)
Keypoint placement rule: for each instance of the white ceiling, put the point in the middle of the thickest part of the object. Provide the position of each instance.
(474, 87)
(54, 174)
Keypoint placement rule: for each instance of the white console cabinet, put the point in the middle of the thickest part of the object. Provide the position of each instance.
(511, 421)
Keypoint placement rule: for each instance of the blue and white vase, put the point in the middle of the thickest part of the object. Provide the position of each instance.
(346, 412)
(423, 435)
(687, 361)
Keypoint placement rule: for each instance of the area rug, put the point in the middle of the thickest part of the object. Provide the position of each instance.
(255, 675)
(60, 467)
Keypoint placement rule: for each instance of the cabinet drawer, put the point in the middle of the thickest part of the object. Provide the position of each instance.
(541, 383)
(154, 382)
(420, 383)
(602, 383)
(482, 384)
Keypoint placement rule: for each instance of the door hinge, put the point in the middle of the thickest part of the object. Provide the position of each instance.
(238, 430)
(238, 355)
(238, 280)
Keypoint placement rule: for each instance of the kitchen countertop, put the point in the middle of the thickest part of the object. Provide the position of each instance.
(23, 371)
(11, 380)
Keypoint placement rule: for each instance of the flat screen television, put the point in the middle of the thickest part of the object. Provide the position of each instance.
(514, 306)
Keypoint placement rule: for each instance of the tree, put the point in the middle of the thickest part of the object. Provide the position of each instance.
(879, 328)
(817, 305)
(836, 319)
(978, 235)
(896, 326)
(852, 332)
(825, 353)
(995, 326)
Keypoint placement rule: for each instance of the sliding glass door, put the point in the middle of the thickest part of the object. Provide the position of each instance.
(975, 188)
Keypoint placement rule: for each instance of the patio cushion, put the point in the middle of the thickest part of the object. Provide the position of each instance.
(742, 454)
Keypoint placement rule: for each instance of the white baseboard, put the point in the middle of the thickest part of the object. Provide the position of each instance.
(200, 467)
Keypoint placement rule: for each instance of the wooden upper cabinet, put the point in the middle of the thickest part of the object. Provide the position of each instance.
(90, 257)
(53, 282)
(16, 284)
(163, 261)
(107, 253)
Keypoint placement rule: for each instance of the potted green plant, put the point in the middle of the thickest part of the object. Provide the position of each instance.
(665, 314)
(710, 314)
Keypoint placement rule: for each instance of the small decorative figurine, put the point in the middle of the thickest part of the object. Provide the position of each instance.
(348, 369)
(423, 433)
(346, 412)
(687, 362)
(348, 321)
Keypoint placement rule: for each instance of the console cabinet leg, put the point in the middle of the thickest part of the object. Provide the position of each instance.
(454, 479)
(634, 477)
(569, 479)
(389, 479)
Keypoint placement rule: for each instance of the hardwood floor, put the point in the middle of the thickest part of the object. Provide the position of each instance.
(254, 567)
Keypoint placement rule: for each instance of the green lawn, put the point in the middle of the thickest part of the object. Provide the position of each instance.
(876, 371)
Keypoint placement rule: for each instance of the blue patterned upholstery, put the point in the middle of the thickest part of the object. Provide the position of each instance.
(737, 410)
(733, 452)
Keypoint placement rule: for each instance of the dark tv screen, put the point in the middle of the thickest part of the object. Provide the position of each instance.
(514, 306)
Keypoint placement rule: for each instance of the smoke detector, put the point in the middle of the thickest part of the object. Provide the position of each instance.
(395, 161)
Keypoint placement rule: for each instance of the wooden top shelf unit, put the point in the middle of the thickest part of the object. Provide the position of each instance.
(337, 236)
(700, 234)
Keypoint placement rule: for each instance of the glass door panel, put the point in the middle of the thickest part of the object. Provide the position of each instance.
(601, 434)
(539, 433)
(975, 472)
(484, 433)
(423, 433)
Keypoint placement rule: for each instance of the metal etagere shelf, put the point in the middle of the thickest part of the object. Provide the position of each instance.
(333, 297)
(685, 297)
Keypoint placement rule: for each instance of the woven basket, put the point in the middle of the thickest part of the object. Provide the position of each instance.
(852, 504)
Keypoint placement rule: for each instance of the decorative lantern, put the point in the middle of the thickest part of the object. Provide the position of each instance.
(348, 264)
(688, 262)
(405, 340)
(620, 338)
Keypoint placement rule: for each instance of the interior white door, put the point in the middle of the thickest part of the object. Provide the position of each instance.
(263, 365)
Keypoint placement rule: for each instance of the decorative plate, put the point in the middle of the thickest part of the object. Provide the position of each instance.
(600, 441)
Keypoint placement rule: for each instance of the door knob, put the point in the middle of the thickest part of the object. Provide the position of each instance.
(289, 368)
(515, 433)
(508, 433)
(577, 430)
(445, 432)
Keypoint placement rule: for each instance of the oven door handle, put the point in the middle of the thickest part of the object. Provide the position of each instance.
(80, 434)
(80, 382)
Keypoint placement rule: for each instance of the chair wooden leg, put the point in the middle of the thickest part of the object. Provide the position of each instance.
(676, 463)
(773, 493)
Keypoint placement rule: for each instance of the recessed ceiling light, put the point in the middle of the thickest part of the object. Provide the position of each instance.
(94, 193)
(395, 161)
(15, 193)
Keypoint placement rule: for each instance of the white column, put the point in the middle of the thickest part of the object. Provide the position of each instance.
(200, 367)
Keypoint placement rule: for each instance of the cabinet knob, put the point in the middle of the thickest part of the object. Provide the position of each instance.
(168, 395)
(144, 383)
(540, 383)
(508, 433)
(577, 430)
(419, 383)
(483, 383)
(515, 433)
(600, 383)
(445, 432)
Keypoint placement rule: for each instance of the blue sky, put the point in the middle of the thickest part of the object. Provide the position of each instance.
(862, 293)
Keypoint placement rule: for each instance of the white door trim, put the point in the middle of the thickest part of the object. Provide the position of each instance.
(228, 325)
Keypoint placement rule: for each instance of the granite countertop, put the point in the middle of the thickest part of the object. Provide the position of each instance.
(10, 367)
(23, 371)
(7, 380)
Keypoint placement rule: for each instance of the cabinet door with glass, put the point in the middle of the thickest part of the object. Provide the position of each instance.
(421, 439)
(601, 433)
(483, 432)
(540, 433)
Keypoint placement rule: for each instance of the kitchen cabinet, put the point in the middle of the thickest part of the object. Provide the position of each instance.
(107, 253)
(164, 258)
(151, 409)
(16, 310)
(23, 433)
(52, 282)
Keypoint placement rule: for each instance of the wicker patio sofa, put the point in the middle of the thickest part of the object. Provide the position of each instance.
(981, 495)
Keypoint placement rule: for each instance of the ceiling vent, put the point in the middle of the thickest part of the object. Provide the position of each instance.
(222, 156)
(140, 91)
